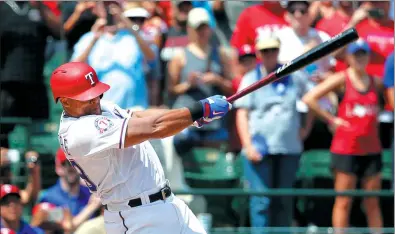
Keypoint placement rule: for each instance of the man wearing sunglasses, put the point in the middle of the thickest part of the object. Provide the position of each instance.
(271, 134)
(295, 38)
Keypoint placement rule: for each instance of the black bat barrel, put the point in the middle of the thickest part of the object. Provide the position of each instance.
(318, 52)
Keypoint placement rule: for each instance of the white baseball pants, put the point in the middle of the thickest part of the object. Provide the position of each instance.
(172, 216)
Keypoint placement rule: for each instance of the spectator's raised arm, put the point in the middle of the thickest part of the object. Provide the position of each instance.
(52, 21)
(33, 187)
(149, 55)
(79, 9)
(84, 47)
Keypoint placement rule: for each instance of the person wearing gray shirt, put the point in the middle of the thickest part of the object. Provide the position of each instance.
(270, 130)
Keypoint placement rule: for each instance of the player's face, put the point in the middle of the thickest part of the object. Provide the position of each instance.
(77, 108)
(11, 207)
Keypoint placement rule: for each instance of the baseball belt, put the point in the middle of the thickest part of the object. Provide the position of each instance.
(164, 193)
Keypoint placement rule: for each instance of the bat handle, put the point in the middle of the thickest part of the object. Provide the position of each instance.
(264, 81)
(231, 98)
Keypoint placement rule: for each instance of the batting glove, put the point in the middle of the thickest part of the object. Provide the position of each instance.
(214, 107)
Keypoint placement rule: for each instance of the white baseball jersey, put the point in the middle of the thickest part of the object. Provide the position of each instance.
(94, 145)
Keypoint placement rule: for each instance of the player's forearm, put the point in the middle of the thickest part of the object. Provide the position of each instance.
(171, 122)
(149, 112)
(161, 124)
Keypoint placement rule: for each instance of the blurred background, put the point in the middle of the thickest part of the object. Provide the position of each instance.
(274, 177)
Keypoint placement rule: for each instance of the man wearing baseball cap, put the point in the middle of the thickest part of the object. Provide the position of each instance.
(271, 135)
(11, 211)
(68, 192)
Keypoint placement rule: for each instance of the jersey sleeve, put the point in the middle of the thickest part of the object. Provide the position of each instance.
(94, 134)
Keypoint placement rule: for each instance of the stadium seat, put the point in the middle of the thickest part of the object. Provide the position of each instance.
(210, 164)
(314, 172)
(388, 164)
(315, 163)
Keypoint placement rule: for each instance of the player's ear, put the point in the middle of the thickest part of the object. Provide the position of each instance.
(65, 102)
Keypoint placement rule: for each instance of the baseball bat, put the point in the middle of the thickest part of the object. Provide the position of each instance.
(310, 56)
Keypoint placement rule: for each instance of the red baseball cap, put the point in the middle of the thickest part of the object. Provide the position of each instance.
(60, 156)
(42, 206)
(7, 231)
(246, 50)
(7, 189)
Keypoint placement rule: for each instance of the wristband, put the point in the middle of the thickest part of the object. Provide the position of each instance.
(196, 110)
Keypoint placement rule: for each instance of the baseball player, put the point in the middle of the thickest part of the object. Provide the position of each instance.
(109, 148)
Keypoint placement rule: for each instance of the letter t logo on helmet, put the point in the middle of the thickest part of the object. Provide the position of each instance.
(89, 76)
(77, 81)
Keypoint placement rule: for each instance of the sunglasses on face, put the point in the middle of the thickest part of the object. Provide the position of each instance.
(270, 50)
(294, 10)
(360, 53)
(137, 20)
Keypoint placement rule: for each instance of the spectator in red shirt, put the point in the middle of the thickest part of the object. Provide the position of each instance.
(53, 6)
(356, 147)
(340, 19)
(378, 31)
(335, 22)
(257, 19)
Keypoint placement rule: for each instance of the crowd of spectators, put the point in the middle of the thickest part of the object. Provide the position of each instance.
(167, 54)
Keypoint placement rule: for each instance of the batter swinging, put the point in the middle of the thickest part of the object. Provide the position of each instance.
(108, 146)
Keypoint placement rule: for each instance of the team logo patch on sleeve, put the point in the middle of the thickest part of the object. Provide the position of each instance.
(103, 124)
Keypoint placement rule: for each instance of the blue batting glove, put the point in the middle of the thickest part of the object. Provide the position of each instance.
(214, 107)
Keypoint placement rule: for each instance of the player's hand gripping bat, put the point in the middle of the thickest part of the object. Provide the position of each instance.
(310, 56)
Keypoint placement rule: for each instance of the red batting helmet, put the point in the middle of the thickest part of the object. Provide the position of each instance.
(77, 81)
